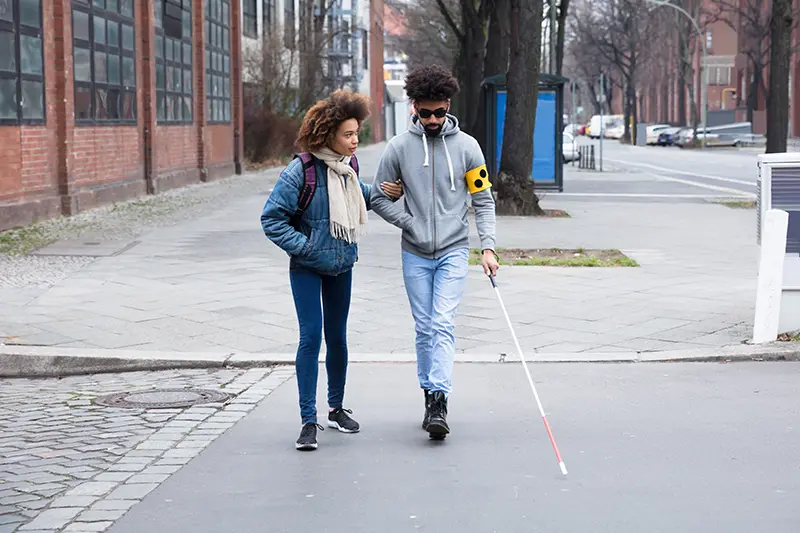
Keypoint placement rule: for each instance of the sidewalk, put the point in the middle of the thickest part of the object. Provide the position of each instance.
(212, 282)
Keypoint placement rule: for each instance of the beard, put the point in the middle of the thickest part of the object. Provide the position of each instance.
(433, 132)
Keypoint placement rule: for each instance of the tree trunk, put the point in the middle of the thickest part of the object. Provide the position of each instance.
(514, 186)
(779, 61)
(471, 74)
(563, 11)
(498, 48)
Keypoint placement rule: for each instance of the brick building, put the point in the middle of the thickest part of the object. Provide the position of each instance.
(104, 100)
(730, 74)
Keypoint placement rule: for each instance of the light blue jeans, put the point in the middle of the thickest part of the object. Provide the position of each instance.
(435, 288)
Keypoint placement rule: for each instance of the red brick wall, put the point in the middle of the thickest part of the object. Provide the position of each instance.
(64, 168)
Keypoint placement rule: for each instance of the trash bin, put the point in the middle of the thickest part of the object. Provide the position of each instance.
(547, 171)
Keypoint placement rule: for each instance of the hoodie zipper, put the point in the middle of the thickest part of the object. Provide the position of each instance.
(433, 194)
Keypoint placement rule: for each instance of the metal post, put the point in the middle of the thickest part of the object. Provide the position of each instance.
(704, 87)
(552, 36)
(574, 137)
(602, 122)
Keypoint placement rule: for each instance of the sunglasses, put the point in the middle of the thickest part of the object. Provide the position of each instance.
(426, 113)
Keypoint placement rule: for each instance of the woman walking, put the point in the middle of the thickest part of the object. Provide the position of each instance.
(321, 237)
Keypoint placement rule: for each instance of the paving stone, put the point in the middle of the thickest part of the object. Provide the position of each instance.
(132, 491)
(53, 518)
(112, 505)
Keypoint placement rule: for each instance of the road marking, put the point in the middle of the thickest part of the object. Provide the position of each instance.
(693, 174)
(736, 192)
(641, 195)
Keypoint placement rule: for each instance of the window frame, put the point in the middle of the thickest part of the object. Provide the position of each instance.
(88, 7)
(223, 51)
(161, 61)
(17, 29)
(250, 18)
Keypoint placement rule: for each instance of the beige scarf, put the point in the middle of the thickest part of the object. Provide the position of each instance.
(348, 210)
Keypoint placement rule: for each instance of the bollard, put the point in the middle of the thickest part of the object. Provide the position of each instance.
(770, 276)
(592, 159)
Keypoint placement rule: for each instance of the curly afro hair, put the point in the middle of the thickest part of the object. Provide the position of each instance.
(323, 120)
(431, 83)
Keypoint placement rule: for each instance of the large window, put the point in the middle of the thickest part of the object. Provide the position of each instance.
(218, 60)
(250, 28)
(173, 61)
(21, 62)
(104, 60)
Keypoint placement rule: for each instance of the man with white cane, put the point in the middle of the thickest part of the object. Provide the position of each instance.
(441, 169)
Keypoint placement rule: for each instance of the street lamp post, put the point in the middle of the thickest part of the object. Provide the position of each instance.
(704, 66)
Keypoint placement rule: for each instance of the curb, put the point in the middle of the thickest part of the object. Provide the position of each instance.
(53, 361)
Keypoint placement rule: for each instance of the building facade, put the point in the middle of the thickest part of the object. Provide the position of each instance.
(105, 100)
(731, 74)
(353, 36)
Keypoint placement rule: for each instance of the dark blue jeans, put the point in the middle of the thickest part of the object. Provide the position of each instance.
(307, 286)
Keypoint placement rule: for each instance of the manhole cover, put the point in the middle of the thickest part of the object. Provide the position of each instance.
(162, 398)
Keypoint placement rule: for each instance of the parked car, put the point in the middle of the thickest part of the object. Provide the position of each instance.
(667, 136)
(569, 149)
(653, 132)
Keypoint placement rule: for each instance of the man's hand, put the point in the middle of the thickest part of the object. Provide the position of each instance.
(489, 262)
(392, 190)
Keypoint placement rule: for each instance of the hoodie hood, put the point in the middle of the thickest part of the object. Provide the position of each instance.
(449, 128)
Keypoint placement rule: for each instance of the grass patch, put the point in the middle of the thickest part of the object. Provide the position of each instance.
(558, 258)
(740, 204)
(24, 240)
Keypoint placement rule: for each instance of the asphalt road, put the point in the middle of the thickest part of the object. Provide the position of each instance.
(664, 174)
(649, 447)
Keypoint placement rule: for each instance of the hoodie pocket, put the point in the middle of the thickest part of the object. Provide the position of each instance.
(451, 231)
(420, 234)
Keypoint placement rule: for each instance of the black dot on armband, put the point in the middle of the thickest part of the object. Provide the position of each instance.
(478, 183)
(483, 173)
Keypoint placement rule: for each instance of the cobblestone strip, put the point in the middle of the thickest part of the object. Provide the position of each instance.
(95, 504)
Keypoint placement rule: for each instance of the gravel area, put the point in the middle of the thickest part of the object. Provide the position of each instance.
(121, 221)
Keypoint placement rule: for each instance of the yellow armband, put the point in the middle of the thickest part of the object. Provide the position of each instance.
(478, 179)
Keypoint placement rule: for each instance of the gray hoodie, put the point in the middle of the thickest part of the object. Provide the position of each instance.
(434, 175)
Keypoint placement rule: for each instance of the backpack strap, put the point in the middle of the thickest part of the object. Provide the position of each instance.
(354, 162)
(309, 183)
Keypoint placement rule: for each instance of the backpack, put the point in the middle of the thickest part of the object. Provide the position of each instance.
(310, 183)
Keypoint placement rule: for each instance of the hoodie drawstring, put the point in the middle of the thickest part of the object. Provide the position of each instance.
(449, 165)
(449, 161)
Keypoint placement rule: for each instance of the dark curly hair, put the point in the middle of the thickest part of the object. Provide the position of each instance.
(431, 83)
(323, 120)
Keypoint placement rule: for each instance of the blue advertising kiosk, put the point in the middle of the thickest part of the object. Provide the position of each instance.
(548, 161)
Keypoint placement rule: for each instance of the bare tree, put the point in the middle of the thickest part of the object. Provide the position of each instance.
(620, 29)
(779, 66)
(585, 63)
(515, 190)
(751, 20)
(270, 71)
(429, 39)
(469, 64)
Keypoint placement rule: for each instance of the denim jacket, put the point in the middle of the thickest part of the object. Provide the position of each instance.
(309, 244)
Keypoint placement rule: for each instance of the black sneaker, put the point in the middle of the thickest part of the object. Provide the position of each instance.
(308, 436)
(340, 419)
(427, 409)
(437, 424)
